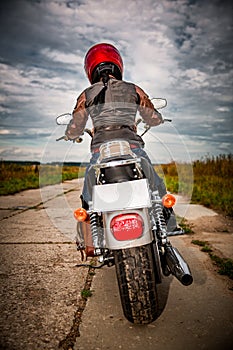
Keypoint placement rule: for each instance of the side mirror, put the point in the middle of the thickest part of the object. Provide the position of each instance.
(64, 119)
(159, 103)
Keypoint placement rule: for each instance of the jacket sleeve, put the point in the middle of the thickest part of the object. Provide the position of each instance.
(146, 109)
(79, 118)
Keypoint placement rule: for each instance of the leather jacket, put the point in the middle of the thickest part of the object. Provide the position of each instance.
(113, 108)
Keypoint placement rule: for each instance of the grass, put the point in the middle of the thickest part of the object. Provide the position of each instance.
(208, 181)
(86, 293)
(212, 181)
(185, 225)
(225, 265)
(205, 245)
(16, 177)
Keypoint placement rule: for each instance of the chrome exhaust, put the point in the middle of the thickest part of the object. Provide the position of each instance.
(179, 268)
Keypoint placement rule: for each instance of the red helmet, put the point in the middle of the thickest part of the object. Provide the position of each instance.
(102, 57)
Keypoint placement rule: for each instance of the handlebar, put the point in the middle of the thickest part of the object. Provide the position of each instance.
(65, 138)
(78, 140)
(147, 127)
(89, 132)
(141, 120)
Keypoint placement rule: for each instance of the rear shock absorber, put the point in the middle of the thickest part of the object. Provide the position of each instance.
(94, 228)
(161, 230)
(97, 233)
(159, 217)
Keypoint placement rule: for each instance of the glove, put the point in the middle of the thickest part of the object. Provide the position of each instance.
(157, 118)
(71, 131)
(159, 115)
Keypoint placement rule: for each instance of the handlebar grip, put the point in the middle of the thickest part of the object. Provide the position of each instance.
(62, 138)
(79, 140)
(138, 121)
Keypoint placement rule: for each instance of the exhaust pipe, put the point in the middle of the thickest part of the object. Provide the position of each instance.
(179, 268)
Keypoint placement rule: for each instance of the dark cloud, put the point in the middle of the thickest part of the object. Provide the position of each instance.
(180, 49)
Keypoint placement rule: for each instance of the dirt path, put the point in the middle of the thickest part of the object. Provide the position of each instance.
(208, 226)
(41, 286)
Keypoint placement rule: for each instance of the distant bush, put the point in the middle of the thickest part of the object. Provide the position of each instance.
(212, 185)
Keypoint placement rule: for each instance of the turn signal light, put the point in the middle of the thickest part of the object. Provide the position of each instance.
(168, 200)
(80, 214)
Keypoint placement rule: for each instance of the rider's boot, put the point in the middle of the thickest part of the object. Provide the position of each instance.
(172, 226)
(84, 236)
(169, 215)
(84, 239)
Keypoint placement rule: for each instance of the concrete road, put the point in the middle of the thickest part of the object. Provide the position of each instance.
(196, 317)
(41, 304)
(40, 284)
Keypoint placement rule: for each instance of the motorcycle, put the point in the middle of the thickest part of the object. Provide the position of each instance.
(125, 226)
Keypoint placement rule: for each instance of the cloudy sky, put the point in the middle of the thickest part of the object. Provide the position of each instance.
(177, 49)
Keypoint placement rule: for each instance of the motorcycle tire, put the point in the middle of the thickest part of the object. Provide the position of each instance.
(137, 285)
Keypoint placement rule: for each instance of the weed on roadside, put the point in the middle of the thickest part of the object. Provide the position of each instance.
(186, 226)
(86, 293)
(69, 341)
(225, 266)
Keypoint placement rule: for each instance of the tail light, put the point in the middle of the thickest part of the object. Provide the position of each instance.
(168, 200)
(127, 226)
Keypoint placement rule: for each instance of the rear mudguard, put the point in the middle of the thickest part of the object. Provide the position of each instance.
(123, 198)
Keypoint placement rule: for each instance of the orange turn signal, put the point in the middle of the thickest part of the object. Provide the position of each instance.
(80, 214)
(168, 200)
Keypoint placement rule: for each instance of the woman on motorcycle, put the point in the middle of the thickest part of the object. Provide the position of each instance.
(113, 104)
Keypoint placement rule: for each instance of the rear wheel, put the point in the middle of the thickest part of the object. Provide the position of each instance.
(137, 284)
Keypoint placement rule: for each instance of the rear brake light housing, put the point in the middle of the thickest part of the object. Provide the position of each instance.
(126, 227)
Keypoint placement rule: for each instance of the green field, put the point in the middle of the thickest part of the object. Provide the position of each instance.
(16, 177)
(210, 180)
